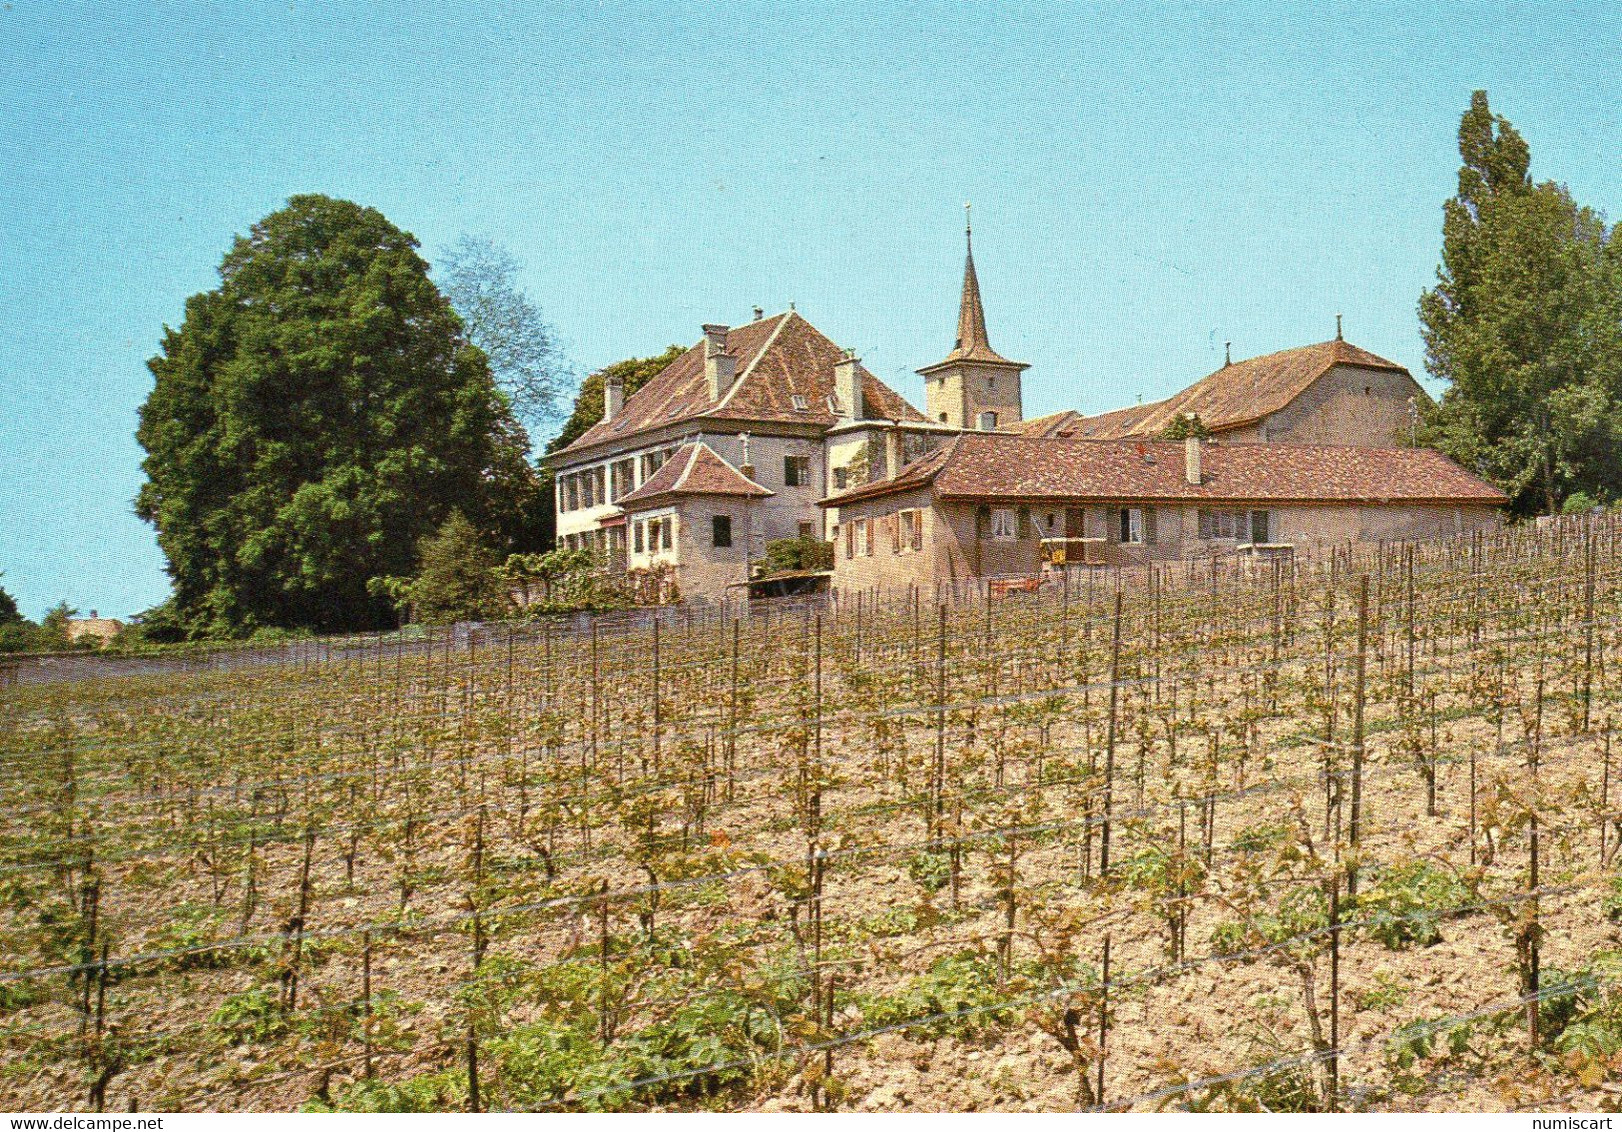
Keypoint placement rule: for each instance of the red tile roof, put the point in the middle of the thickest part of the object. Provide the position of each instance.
(1000, 466)
(1062, 423)
(778, 358)
(1237, 394)
(694, 469)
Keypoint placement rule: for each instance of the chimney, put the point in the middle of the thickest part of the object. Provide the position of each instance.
(720, 367)
(760, 313)
(848, 387)
(1191, 459)
(613, 395)
(892, 452)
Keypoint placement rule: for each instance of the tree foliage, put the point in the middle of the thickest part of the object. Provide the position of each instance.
(802, 552)
(1525, 323)
(9, 613)
(458, 578)
(316, 415)
(480, 278)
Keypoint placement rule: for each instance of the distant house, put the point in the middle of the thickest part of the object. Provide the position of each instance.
(1329, 393)
(102, 630)
(985, 505)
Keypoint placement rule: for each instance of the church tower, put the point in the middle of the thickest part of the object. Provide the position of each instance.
(975, 387)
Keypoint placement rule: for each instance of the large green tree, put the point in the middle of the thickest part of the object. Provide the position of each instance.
(1525, 324)
(634, 373)
(315, 416)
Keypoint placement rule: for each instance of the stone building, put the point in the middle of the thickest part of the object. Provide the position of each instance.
(989, 505)
(102, 631)
(770, 430)
(1329, 393)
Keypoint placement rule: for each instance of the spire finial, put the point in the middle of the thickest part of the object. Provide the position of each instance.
(968, 224)
(1338, 336)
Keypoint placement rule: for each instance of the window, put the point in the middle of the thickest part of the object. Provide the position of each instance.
(850, 539)
(637, 535)
(911, 534)
(665, 533)
(808, 530)
(796, 471)
(1216, 524)
(988, 422)
(943, 418)
(1004, 526)
(721, 530)
(867, 537)
(621, 479)
(1252, 526)
(799, 402)
(1131, 525)
(841, 478)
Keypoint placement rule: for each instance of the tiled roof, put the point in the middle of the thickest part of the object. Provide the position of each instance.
(779, 358)
(1062, 423)
(973, 343)
(1237, 394)
(1000, 466)
(694, 469)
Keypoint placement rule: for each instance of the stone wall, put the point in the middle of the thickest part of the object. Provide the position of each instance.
(1348, 405)
(953, 551)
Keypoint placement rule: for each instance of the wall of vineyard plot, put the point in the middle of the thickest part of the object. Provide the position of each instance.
(1327, 835)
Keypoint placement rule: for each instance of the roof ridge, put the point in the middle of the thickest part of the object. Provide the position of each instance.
(692, 448)
(748, 371)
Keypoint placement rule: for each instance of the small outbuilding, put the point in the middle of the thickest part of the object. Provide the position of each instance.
(997, 505)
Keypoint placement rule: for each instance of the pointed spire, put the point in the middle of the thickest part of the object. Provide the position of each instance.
(973, 343)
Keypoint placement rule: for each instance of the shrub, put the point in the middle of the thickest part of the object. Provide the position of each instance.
(953, 985)
(250, 1017)
(1407, 904)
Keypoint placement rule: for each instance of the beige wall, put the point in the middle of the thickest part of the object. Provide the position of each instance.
(963, 392)
(952, 551)
(703, 570)
(1348, 405)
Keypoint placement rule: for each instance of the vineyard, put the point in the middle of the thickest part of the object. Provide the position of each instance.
(1337, 834)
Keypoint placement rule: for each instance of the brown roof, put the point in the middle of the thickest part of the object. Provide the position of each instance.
(778, 357)
(1001, 466)
(694, 469)
(1238, 394)
(973, 343)
(1062, 423)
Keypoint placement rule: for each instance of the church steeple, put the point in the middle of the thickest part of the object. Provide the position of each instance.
(961, 390)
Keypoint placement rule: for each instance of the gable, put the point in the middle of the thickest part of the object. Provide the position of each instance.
(779, 359)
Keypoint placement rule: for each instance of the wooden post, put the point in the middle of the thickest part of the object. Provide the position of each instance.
(1334, 993)
(1355, 826)
(1109, 740)
(1103, 1022)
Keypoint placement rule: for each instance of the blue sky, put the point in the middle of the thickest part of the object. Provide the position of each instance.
(1149, 181)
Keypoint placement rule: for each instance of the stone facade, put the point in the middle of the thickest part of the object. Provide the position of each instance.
(801, 426)
(956, 546)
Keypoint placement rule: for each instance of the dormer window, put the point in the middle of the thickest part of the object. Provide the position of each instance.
(799, 403)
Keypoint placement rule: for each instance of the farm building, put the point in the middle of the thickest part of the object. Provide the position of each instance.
(99, 630)
(765, 431)
(985, 505)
